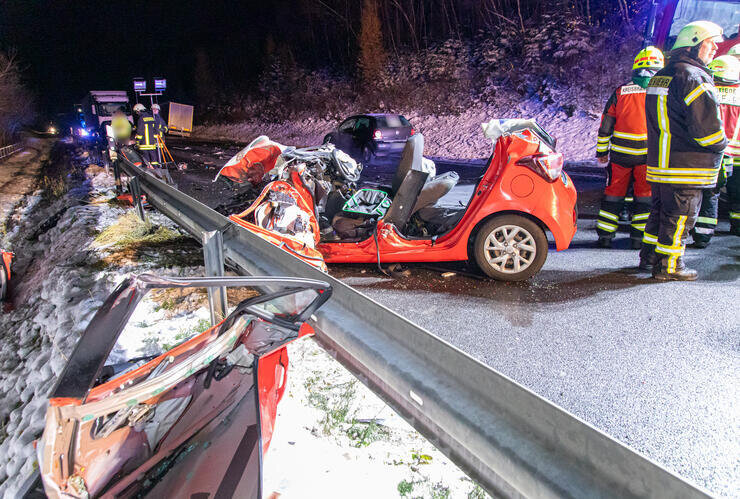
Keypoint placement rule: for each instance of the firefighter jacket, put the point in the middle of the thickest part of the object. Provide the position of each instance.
(146, 131)
(161, 125)
(729, 108)
(623, 130)
(685, 135)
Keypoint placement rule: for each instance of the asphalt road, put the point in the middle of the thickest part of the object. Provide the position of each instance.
(655, 365)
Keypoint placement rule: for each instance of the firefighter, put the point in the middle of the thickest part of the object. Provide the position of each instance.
(622, 142)
(685, 144)
(146, 131)
(726, 70)
(161, 125)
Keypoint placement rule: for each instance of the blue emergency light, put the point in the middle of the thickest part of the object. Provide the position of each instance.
(160, 84)
(139, 85)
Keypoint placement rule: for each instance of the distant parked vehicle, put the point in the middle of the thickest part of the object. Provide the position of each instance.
(366, 135)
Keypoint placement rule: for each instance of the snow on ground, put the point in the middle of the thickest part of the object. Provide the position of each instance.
(448, 136)
(333, 436)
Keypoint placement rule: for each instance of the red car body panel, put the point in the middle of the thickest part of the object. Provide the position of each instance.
(7, 258)
(505, 188)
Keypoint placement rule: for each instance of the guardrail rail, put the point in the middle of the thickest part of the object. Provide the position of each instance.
(10, 150)
(513, 442)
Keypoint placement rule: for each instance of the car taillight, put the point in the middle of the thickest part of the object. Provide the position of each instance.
(377, 135)
(548, 166)
(412, 132)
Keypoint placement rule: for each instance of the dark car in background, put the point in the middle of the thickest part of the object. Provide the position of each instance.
(366, 135)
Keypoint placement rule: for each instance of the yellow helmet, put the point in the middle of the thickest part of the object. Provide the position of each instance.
(726, 67)
(649, 57)
(696, 32)
(734, 50)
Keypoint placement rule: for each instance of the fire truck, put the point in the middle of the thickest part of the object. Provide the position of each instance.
(667, 17)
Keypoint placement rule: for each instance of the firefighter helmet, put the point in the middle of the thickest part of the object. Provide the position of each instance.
(650, 58)
(726, 68)
(155, 107)
(734, 50)
(139, 108)
(696, 32)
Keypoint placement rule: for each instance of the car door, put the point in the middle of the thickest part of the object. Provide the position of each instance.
(361, 135)
(343, 136)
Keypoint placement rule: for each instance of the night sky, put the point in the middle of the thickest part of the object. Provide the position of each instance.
(70, 47)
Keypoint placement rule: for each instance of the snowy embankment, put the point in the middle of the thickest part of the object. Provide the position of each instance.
(333, 436)
(447, 136)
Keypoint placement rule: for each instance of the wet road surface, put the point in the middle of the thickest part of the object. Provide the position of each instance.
(655, 365)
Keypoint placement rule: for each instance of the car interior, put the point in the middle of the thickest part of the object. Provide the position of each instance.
(413, 195)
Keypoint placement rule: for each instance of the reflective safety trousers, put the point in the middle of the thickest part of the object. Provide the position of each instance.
(623, 130)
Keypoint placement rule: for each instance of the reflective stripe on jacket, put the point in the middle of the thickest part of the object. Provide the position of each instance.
(146, 129)
(623, 130)
(685, 134)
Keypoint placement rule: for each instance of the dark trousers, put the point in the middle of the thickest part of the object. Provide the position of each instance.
(151, 156)
(706, 222)
(733, 193)
(672, 216)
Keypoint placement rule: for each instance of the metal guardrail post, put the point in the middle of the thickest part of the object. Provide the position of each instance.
(134, 188)
(213, 255)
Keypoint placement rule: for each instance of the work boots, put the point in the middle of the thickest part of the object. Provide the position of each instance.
(682, 272)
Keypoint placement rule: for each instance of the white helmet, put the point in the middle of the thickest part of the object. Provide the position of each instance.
(139, 108)
(155, 107)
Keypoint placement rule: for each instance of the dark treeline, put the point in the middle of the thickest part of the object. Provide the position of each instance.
(219, 49)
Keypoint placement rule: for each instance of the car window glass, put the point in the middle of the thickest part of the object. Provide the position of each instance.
(362, 124)
(404, 121)
(347, 125)
(393, 121)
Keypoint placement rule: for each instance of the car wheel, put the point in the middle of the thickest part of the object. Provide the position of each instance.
(367, 155)
(3, 283)
(510, 248)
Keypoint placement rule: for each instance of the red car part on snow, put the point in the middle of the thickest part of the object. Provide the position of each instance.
(506, 187)
(204, 409)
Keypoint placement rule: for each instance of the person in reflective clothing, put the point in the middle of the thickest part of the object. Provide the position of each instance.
(146, 131)
(121, 126)
(726, 70)
(685, 144)
(622, 142)
(161, 124)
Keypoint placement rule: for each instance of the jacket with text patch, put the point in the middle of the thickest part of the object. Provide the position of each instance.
(685, 133)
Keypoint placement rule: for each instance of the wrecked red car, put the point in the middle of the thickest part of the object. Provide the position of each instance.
(193, 420)
(6, 258)
(522, 194)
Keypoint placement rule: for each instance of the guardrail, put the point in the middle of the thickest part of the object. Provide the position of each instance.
(509, 439)
(10, 150)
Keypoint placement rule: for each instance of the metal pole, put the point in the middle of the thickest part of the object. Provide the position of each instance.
(213, 255)
(135, 189)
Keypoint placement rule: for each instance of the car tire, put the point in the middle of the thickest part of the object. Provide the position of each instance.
(510, 248)
(3, 282)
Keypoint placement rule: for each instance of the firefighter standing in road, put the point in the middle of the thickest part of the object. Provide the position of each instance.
(623, 142)
(161, 125)
(122, 128)
(146, 131)
(726, 70)
(685, 144)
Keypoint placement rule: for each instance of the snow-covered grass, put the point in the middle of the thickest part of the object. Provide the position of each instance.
(456, 135)
(333, 436)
